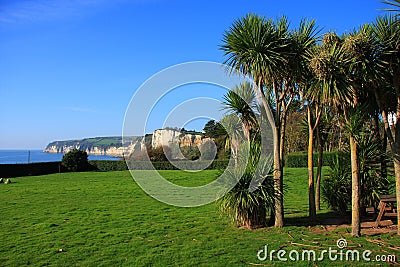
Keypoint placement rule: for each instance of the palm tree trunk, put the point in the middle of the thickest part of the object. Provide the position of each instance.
(396, 154)
(319, 172)
(278, 181)
(282, 141)
(278, 174)
(247, 132)
(394, 147)
(397, 174)
(383, 160)
(355, 186)
(311, 191)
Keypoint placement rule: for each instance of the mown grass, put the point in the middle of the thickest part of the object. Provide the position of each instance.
(105, 219)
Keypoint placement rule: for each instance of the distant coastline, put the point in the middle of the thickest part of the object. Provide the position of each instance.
(33, 156)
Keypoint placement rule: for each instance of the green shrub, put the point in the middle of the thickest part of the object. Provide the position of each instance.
(336, 188)
(300, 159)
(252, 197)
(120, 165)
(75, 161)
(108, 165)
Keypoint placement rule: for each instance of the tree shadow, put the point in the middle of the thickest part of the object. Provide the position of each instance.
(328, 218)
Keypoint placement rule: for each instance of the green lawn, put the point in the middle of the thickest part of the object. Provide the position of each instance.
(105, 219)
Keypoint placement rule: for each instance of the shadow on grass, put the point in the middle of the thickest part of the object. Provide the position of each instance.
(331, 219)
(328, 218)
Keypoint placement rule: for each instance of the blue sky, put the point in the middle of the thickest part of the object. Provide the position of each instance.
(68, 69)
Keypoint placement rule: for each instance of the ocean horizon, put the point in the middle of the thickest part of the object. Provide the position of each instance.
(14, 156)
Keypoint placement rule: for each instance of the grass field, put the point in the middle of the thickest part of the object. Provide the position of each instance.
(105, 219)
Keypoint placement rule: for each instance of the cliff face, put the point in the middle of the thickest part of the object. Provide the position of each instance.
(113, 146)
(166, 137)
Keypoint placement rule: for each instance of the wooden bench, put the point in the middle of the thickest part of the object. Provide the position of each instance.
(386, 208)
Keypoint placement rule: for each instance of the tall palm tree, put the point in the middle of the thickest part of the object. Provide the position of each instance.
(386, 30)
(360, 48)
(302, 41)
(340, 68)
(322, 131)
(257, 47)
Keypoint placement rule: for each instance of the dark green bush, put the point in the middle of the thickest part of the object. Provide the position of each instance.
(40, 168)
(108, 165)
(75, 161)
(336, 188)
(120, 165)
(300, 159)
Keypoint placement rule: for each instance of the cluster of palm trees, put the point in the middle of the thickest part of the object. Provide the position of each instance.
(357, 73)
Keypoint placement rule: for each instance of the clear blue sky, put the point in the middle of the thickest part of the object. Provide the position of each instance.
(69, 68)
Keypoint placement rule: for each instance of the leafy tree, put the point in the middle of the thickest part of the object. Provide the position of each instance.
(208, 150)
(191, 153)
(75, 160)
(210, 129)
(159, 153)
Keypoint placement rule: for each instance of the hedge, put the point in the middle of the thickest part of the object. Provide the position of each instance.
(112, 165)
(28, 169)
(300, 159)
(108, 165)
(41, 168)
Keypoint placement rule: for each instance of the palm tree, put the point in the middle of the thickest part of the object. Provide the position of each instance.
(386, 30)
(302, 41)
(256, 47)
(241, 101)
(232, 132)
(339, 67)
(322, 133)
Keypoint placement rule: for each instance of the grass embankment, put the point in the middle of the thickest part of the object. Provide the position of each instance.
(105, 219)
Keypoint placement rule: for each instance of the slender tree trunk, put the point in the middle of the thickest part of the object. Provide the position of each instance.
(397, 174)
(311, 191)
(282, 140)
(355, 184)
(278, 181)
(393, 143)
(247, 133)
(278, 174)
(383, 159)
(396, 153)
(319, 172)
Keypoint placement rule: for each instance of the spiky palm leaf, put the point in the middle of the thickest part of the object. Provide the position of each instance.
(254, 46)
(246, 207)
(395, 6)
(241, 101)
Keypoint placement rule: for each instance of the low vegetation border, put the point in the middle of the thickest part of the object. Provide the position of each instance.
(300, 159)
(32, 169)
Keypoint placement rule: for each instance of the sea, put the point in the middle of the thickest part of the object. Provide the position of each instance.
(31, 156)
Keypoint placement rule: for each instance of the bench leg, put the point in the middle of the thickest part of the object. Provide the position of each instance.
(382, 206)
